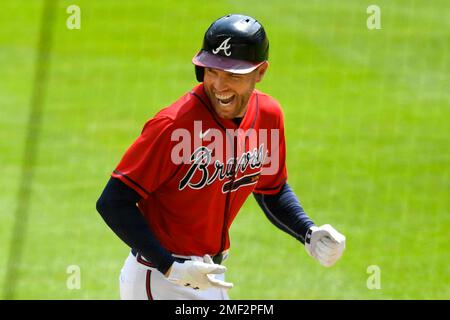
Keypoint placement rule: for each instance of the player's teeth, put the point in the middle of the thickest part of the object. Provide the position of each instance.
(224, 103)
(225, 100)
(223, 97)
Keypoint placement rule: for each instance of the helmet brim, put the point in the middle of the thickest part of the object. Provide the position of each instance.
(208, 60)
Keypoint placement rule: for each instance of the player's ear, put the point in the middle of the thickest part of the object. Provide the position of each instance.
(261, 71)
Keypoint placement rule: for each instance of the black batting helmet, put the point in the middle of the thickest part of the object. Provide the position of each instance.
(234, 43)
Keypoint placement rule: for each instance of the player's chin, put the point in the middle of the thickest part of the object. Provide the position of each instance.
(225, 112)
(225, 115)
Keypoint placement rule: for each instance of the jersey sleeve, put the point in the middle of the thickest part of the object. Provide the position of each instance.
(147, 164)
(274, 174)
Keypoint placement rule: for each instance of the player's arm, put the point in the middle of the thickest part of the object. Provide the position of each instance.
(117, 206)
(285, 211)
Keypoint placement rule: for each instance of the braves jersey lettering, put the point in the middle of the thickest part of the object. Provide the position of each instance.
(201, 161)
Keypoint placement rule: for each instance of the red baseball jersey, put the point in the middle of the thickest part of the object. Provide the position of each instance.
(194, 170)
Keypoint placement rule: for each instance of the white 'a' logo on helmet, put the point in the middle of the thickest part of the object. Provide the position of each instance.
(224, 46)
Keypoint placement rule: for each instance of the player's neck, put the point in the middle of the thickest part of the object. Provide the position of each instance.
(238, 120)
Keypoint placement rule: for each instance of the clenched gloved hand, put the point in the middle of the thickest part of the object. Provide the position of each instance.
(199, 275)
(325, 244)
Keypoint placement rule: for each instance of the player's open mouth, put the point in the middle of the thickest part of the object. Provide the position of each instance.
(225, 100)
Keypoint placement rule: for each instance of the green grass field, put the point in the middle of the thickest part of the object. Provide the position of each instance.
(367, 115)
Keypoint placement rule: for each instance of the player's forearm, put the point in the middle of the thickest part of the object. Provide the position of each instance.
(117, 206)
(285, 211)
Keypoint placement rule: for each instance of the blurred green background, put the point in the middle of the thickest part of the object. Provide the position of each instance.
(367, 115)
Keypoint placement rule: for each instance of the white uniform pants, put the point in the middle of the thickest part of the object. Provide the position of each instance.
(140, 281)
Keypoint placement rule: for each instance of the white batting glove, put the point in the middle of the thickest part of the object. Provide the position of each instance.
(198, 275)
(325, 244)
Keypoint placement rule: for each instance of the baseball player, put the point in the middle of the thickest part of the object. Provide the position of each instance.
(177, 189)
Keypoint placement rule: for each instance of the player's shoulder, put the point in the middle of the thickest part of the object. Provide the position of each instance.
(179, 109)
(179, 113)
(268, 105)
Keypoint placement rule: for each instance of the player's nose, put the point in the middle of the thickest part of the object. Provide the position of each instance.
(220, 83)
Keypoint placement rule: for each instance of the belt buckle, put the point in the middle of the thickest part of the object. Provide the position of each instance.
(218, 258)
